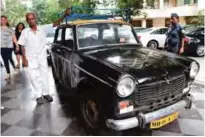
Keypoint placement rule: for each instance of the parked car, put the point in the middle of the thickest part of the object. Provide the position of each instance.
(153, 37)
(117, 83)
(194, 42)
(139, 29)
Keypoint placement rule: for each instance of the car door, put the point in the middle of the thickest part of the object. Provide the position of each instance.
(160, 36)
(67, 49)
(56, 54)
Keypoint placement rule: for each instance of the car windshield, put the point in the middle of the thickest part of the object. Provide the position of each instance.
(194, 31)
(104, 34)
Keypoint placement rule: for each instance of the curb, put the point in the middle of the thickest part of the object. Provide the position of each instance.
(199, 83)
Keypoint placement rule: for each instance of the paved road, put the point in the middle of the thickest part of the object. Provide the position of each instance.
(21, 116)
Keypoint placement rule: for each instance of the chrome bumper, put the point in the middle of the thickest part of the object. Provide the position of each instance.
(142, 119)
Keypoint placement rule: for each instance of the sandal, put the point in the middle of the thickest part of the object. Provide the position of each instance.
(17, 66)
(8, 77)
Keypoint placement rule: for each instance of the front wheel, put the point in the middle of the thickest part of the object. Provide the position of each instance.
(200, 51)
(91, 114)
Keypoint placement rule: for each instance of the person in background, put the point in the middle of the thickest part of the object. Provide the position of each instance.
(19, 54)
(7, 40)
(33, 41)
(175, 36)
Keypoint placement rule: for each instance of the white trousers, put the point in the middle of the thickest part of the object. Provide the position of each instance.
(38, 75)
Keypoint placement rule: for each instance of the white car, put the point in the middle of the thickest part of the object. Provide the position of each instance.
(153, 37)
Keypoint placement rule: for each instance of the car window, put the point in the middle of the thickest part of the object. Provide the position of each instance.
(156, 31)
(108, 34)
(160, 31)
(125, 33)
(104, 34)
(197, 31)
(189, 29)
(68, 34)
(164, 31)
(59, 36)
(68, 38)
(87, 32)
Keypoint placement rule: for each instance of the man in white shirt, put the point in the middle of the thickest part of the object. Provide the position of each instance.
(33, 40)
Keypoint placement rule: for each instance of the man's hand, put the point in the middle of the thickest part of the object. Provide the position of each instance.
(17, 48)
(181, 50)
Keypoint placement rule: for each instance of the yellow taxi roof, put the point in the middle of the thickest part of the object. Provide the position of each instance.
(80, 22)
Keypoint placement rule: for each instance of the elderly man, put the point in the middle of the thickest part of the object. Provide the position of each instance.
(175, 36)
(33, 40)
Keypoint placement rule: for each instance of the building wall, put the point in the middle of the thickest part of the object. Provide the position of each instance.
(182, 20)
(172, 3)
(164, 8)
(159, 22)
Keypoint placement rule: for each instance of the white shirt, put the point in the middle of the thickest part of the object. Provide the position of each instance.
(35, 45)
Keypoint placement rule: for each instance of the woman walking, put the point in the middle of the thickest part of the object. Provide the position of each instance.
(7, 39)
(19, 54)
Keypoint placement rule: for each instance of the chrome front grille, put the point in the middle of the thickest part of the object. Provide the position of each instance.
(147, 94)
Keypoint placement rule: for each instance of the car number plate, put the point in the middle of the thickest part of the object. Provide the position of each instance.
(164, 121)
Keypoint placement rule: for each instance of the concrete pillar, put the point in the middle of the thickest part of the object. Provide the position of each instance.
(144, 3)
(144, 24)
(161, 4)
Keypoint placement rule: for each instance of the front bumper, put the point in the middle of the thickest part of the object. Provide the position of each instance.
(142, 119)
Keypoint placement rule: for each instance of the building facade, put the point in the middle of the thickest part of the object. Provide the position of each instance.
(160, 16)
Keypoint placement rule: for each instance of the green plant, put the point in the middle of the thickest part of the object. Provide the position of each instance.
(197, 20)
(15, 12)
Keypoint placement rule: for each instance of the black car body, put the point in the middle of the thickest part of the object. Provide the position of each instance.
(119, 83)
(194, 42)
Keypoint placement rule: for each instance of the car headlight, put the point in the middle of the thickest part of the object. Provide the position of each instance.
(126, 86)
(194, 69)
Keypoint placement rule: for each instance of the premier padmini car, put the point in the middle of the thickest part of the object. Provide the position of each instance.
(118, 83)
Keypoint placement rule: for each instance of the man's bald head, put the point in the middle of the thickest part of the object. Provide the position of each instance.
(31, 13)
(31, 19)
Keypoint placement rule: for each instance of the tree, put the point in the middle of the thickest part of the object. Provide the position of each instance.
(52, 10)
(15, 12)
(197, 20)
(40, 8)
(88, 4)
(136, 6)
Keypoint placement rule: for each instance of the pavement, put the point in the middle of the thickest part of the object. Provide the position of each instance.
(21, 116)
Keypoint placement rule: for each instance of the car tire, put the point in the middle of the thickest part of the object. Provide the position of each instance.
(153, 44)
(90, 112)
(199, 51)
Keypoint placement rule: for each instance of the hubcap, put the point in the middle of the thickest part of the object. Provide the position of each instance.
(200, 50)
(153, 45)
